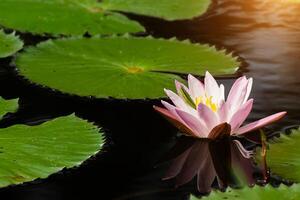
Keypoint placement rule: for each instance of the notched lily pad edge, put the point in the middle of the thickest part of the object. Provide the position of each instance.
(209, 7)
(16, 37)
(293, 187)
(5, 28)
(64, 169)
(61, 35)
(230, 55)
(15, 101)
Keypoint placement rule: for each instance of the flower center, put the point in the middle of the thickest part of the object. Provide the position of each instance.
(95, 10)
(207, 101)
(134, 70)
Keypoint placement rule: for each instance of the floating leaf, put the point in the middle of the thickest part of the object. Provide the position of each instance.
(283, 156)
(76, 17)
(7, 106)
(256, 193)
(119, 67)
(9, 44)
(166, 9)
(28, 153)
(67, 17)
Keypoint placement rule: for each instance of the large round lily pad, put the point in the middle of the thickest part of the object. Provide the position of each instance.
(31, 152)
(283, 156)
(67, 17)
(119, 67)
(166, 9)
(257, 193)
(9, 44)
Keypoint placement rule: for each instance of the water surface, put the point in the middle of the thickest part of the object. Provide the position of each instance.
(265, 34)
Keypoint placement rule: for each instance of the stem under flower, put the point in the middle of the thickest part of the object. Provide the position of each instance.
(264, 155)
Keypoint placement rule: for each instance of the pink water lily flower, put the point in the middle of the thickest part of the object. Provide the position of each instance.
(201, 110)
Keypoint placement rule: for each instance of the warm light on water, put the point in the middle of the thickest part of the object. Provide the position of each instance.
(265, 34)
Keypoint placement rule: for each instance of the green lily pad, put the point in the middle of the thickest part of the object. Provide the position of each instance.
(76, 17)
(166, 9)
(119, 67)
(283, 156)
(257, 193)
(8, 106)
(67, 17)
(31, 152)
(9, 44)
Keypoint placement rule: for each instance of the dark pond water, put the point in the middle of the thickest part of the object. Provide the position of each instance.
(264, 33)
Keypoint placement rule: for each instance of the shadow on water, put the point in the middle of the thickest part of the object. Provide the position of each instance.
(264, 33)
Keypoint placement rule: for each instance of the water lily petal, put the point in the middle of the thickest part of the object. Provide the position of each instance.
(260, 123)
(171, 108)
(193, 123)
(179, 102)
(208, 116)
(196, 87)
(180, 85)
(240, 116)
(223, 112)
(249, 88)
(211, 87)
(222, 94)
(184, 93)
(237, 94)
(175, 121)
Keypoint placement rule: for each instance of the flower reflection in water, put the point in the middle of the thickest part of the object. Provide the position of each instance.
(210, 161)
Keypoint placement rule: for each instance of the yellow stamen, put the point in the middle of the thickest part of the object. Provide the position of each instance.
(208, 102)
(198, 101)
